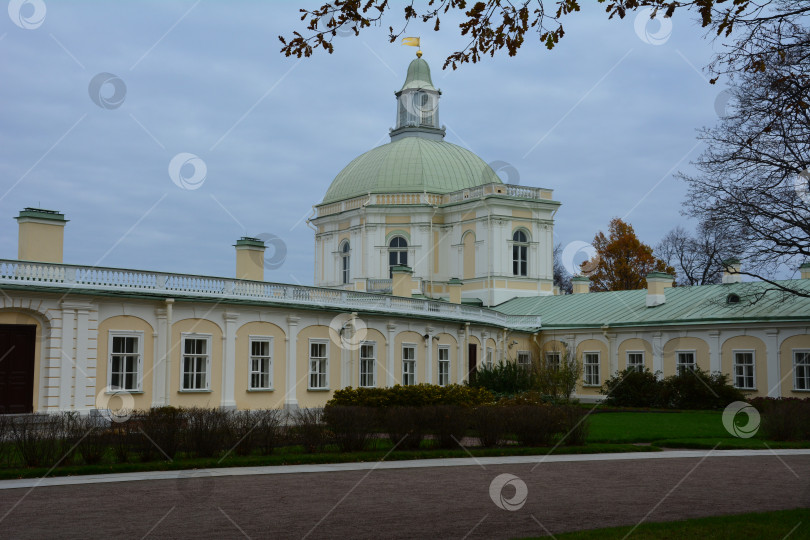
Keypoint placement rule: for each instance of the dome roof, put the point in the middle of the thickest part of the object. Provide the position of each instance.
(411, 165)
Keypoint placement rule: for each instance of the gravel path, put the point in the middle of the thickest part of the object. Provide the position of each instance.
(441, 502)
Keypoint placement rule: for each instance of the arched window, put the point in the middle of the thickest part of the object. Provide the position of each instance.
(520, 253)
(397, 253)
(345, 262)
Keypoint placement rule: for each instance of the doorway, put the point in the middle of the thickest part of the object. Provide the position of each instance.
(472, 355)
(17, 346)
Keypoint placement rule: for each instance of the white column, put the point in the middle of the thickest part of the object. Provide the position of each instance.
(80, 401)
(167, 363)
(462, 353)
(160, 383)
(715, 363)
(228, 400)
(658, 354)
(66, 360)
(290, 399)
(389, 379)
(429, 355)
(774, 367)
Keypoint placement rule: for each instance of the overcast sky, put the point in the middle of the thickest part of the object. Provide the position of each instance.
(604, 119)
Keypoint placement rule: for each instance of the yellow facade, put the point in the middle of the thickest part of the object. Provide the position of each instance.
(260, 399)
(40, 241)
(635, 345)
(786, 351)
(127, 323)
(752, 344)
(196, 398)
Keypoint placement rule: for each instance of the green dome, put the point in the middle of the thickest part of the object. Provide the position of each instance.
(418, 76)
(411, 165)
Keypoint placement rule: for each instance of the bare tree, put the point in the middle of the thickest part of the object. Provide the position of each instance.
(697, 259)
(753, 177)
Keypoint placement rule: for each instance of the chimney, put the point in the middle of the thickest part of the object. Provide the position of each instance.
(402, 284)
(250, 259)
(805, 270)
(731, 272)
(454, 285)
(580, 284)
(657, 283)
(41, 235)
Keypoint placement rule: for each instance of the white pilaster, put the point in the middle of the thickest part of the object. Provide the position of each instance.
(774, 368)
(715, 363)
(160, 383)
(228, 400)
(658, 354)
(80, 401)
(290, 397)
(429, 354)
(389, 379)
(66, 357)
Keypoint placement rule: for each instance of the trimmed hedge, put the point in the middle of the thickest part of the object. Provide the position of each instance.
(412, 396)
(690, 389)
(784, 419)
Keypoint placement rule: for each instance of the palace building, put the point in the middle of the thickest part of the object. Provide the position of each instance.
(427, 266)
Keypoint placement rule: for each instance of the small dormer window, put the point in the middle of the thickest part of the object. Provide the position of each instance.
(733, 299)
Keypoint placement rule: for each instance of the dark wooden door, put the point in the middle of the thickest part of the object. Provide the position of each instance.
(17, 343)
(472, 355)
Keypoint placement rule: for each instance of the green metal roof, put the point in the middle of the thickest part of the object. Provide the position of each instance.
(684, 305)
(411, 165)
(418, 76)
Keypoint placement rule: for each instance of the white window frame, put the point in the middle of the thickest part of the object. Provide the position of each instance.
(520, 259)
(269, 357)
(185, 336)
(804, 368)
(139, 362)
(636, 367)
(595, 369)
(443, 363)
(553, 359)
(490, 357)
(373, 359)
(679, 364)
(406, 363)
(753, 367)
(321, 359)
(528, 358)
(345, 262)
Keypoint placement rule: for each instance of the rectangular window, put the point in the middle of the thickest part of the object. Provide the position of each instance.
(801, 370)
(196, 363)
(524, 359)
(744, 370)
(591, 365)
(686, 360)
(635, 361)
(444, 366)
(261, 363)
(490, 354)
(408, 365)
(125, 361)
(318, 364)
(368, 359)
(553, 360)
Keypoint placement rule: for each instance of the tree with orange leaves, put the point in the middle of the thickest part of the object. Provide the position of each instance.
(622, 261)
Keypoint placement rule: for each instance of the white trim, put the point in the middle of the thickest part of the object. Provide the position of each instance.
(627, 359)
(734, 368)
(411, 346)
(439, 362)
(678, 352)
(598, 365)
(373, 359)
(139, 369)
(324, 342)
(793, 364)
(209, 360)
(271, 379)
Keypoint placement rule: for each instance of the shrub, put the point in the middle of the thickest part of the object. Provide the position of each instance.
(310, 429)
(632, 388)
(534, 425)
(350, 426)
(697, 389)
(503, 379)
(449, 423)
(90, 436)
(574, 425)
(243, 432)
(557, 381)
(123, 437)
(269, 429)
(488, 421)
(207, 431)
(784, 419)
(41, 439)
(157, 433)
(412, 396)
(405, 426)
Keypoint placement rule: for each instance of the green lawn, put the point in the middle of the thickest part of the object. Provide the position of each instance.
(630, 427)
(755, 526)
